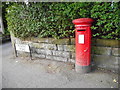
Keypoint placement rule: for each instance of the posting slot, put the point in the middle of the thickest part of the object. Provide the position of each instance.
(81, 30)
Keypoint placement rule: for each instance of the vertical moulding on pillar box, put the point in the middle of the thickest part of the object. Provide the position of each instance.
(83, 44)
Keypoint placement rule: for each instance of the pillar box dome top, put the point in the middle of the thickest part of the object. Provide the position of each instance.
(83, 21)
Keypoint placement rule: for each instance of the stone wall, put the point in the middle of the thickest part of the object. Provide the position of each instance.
(104, 53)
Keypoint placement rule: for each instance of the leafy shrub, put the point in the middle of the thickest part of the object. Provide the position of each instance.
(44, 19)
(4, 6)
(107, 20)
(54, 19)
(22, 20)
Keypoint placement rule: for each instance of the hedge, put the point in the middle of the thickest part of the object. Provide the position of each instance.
(4, 6)
(54, 19)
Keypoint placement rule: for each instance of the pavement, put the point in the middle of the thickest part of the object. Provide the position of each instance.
(21, 72)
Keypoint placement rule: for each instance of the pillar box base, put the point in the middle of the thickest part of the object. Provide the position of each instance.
(82, 69)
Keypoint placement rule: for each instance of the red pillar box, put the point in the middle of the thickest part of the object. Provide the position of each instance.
(83, 44)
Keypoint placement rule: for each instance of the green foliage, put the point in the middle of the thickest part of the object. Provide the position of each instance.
(44, 19)
(54, 19)
(107, 20)
(22, 20)
(4, 6)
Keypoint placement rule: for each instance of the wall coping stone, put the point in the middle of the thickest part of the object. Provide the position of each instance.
(64, 41)
(106, 42)
(71, 41)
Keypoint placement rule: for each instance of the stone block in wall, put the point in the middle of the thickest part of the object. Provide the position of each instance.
(107, 62)
(116, 52)
(33, 49)
(71, 60)
(72, 41)
(39, 55)
(106, 42)
(72, 55)
(41, 40)
(44, 46)
(50, 40)
(49, 57)
(69, 48)
(60, 59)
(56, 58)
(116, 67)
(27, 42)
(101, 50)
(23, 54)
(37, 45)
(43, 51)
(50, 46)
(49, 52)
(60, 47)
(64, 41)
(40, 51)
(61, 54)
